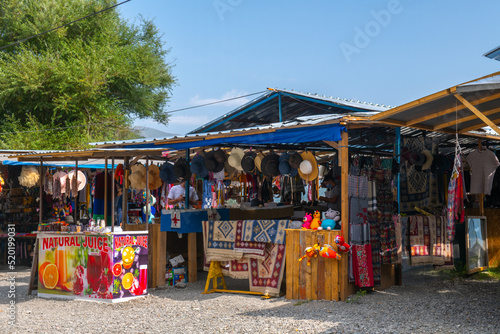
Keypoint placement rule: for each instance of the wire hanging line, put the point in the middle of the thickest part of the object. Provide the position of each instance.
(64, 25)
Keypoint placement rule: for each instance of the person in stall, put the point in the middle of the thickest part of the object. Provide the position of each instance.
(332, 194)
(177, 196)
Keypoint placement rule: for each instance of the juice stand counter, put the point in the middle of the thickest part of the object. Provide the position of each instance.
(110, 267)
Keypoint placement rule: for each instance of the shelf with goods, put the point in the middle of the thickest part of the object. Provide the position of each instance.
(19, 206)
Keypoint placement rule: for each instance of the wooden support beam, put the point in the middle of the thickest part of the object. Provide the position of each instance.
(192, 258)
(464, 119)
(332, 144)
(478, 113)
(106, 190)
(344, 212)
(477, 126)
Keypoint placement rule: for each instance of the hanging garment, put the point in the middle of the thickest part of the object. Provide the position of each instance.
(362, 265)
(483, 164)
(454, 209)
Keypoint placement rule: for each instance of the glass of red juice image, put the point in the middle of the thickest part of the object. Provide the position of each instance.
(94, 270)
(143, 276)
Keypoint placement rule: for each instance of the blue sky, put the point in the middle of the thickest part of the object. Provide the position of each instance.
(387, 52)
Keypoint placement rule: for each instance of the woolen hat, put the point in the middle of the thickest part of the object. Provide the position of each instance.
(167, 173)
(182, 169)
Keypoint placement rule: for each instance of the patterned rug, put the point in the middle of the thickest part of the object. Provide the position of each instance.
(268, 231)
(266, 275)
(426, 240)
(220, 241)
(251, 248)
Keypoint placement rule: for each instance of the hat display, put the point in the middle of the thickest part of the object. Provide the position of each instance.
(137, 178)
(248, 162)
(29, 176)
(182, 170)
(154, 180)
(295, 160)
(270, 165)
(81, 179)
(211, 163)
(235, 157)
(198, 166)
(428, 159)
(220, 156)
(308, 168)
(285, 168)
(258, 161)
(167, 173)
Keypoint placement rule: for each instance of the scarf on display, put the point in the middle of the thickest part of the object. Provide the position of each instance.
(455, 209)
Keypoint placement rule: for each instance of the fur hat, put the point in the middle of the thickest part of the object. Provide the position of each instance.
(29, 176)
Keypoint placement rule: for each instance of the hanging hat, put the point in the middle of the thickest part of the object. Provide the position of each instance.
(258, 161)
(417, 159)
(285, 156)
(220, 156)
(137, 178)
(285, 168)
(428, 159)
(119, 173)
(295, 160)
(182, 170)
(308, 168)
(198, 166)
(211, 163)
(228, 171)
(248, 162)
(235, 157)
(154, 179)
(441, 164)
(270, 165)
(29, 176)
(81, 179)
(167, 173)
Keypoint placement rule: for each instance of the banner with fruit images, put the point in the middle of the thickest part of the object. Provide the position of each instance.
(92, 266)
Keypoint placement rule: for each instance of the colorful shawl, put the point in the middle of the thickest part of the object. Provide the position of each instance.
(362, 265)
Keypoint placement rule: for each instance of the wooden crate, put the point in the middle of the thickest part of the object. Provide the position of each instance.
(320, 280)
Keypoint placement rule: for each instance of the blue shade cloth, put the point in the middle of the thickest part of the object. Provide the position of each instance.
(190, 220)
(330, 132)
(68, 165)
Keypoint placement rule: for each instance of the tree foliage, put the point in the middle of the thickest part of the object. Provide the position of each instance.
(87, 80)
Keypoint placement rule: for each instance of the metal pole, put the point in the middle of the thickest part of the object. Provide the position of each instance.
(147, 190)
(106, 191)
(113, 194)
(75, 211)
(279, 108)
(40, 202)
(125, 192)
(187, 182)
(398, 153)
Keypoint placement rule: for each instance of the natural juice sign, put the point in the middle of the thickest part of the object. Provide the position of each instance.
(76, 265)
(130, 265)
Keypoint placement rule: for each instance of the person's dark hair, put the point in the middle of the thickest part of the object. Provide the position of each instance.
(328, 177)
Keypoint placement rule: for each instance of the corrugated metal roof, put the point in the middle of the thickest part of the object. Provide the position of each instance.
(493, 54)
(265, 109)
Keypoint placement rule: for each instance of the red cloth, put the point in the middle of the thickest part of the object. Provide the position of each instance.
(362, 265)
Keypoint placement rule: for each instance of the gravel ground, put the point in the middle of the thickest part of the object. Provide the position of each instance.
(427, 303)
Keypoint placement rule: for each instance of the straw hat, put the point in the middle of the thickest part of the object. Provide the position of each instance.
(428, 159)
(81, 179)
(137, 178)
(248, 162)
(308, 168)
(229, 171)
(270, 165)
(295, 160)
(154, 179)
(258, 161)
(235, 157)
(182, 170)
(167, 173)
(29, 176)
(198, 166)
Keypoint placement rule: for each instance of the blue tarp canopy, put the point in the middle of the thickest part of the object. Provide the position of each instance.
(69, 164)
(310, 134)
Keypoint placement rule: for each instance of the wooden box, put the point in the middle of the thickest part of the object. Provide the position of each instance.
(320, 280)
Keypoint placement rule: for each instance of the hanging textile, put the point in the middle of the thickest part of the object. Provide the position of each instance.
(483, 164)
(362, 265)
(455, 208)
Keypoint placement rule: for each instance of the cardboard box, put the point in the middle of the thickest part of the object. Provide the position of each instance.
(176, 275)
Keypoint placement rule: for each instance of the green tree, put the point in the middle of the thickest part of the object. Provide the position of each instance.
(88, 79)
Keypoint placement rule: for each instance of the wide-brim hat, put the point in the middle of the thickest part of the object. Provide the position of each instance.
(182, 170)
(284, 156)
(235, 157)
(248, 162)
(417, 159)
(285, 168)
(137, 178)
(295, 160)
(308, 168)
(220, 156)
(258, 161)
(211, 163)
(167, 173)
(270, 165)
(198, 166)
(428, 159)
(81, 179)
(154, 180)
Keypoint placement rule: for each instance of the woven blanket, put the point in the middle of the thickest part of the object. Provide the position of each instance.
(426, 240)
(250, 248)
(268, 231)
(266, 275)
(362, 265)
(220, 241)
(238, 268)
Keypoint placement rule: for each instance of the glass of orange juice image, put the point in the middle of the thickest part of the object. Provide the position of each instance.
(128, 256)
(62, 265)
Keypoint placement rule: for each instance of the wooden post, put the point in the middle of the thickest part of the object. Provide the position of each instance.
(75, 211)
(344, 211)
(33, 285)
(125, 192)
(106, 191)
(192, 258)
(40, 202)
(113, 194)
(147, 191)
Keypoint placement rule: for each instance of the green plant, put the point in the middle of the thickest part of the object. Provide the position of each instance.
(357, 297)
(300, 302)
